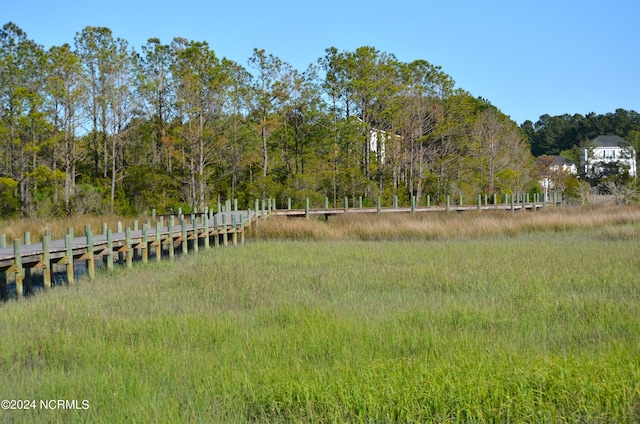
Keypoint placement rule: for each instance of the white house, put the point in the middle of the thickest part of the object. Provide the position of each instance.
(378, 143)
(608, 149)
(555, 170)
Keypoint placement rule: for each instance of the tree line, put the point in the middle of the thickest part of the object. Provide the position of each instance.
(99, 127)
(566, 134)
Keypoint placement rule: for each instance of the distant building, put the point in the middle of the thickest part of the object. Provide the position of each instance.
(607, 149)
(564, 164)
(554, 170)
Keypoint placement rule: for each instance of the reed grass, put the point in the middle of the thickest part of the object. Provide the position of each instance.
(15, 229)
(536, 327)
(445, 225)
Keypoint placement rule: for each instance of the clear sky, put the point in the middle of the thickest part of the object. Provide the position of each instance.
(527, 58)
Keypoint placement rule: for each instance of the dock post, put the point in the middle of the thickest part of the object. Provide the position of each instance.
(360, 202)
(69, 259)
(479, 202)
(145, 243)
(225, 230)
(185, 244)
(46, 260)
(413, 204)
(128, 254)
(395, 201)
(306, 207)
(158, 241)
(27, 271)
(205, 224)
(288, 203)
(346, 204)
(379, 204)
(172, 250)
(108, 258)
(235, 205)
(428, 200)
(234, 234)
(448, 202)
(90, 261)
(196, 238)
(242, 232)
(4, 294)
(3, 241)
(18, 268)
(216, 228)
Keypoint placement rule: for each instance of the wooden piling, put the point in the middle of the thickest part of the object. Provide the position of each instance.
(27, 282)
(68, 244)
(185, 245)
(234, 234)
(195, 234)
(172, 251)
(108, 258)
(145, 244)
(46, 260)
(17, 268)
(205, 224)
(128, 250)
(217, 228)
(90, 260)
(158, 241)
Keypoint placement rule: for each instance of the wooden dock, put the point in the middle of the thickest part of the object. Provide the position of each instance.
(327, 211)
(180, 235)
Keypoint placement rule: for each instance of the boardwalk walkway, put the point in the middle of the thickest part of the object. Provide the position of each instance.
(189, 233)
(19, 260)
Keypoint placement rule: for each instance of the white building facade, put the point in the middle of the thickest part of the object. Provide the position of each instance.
(609, 149)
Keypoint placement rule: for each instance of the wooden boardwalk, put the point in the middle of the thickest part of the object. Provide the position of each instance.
(176, 237)
(327, 212)
(200, 231)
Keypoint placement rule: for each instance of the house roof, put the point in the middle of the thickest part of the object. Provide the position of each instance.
(610, 141)
(562, 160)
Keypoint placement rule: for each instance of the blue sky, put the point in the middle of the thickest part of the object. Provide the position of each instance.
(527, 58)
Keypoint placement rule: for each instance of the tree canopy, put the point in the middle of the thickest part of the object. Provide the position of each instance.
(96, 126)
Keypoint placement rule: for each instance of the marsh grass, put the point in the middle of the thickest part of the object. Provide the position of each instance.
(446, 225)
(539, 327)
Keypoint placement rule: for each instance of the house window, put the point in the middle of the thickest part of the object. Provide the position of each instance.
(609, 154)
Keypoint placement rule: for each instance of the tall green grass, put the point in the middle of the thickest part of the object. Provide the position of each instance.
(541, 327)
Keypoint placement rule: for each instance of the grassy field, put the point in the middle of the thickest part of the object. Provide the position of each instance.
(536, 324)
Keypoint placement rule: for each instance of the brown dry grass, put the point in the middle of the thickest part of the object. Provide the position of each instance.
(443, 225)
(60, 226)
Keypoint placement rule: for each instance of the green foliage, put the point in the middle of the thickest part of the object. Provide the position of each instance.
(552, 135)
(292, 332)
(174, 125)
(9, 199)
